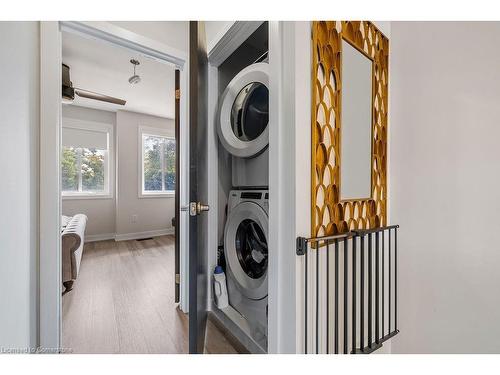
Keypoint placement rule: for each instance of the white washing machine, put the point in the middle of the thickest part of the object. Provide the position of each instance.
(242, 125)
(246, 252)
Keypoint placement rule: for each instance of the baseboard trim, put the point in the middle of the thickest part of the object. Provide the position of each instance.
(99, 237)
(128, 236)
(138, 235)
(230, 336)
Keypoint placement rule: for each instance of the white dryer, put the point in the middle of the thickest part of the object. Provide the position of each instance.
(242, 125)
(246, 252)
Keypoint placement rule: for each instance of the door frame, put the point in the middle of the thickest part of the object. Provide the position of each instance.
(285, 99)
(49, 293)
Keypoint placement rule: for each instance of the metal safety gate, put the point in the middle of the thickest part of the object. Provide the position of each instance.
(350, 302)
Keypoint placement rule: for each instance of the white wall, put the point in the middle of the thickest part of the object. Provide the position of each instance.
(19, 122)
(302, 163)
(444, 184)
(100, 212)
(152, 213)
(171, 33)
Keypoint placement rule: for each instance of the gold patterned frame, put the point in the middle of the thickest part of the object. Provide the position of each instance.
(330, 215)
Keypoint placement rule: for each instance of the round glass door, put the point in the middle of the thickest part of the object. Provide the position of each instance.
(250, 112)
(251, 248)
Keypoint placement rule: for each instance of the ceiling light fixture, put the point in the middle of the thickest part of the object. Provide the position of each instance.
(135, 78)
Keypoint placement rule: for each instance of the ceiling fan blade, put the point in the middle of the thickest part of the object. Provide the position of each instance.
(96, 96)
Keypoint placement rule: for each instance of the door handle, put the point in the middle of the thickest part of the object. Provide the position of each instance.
(196, 208)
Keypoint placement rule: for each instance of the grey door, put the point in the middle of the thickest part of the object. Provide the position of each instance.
(198, 187)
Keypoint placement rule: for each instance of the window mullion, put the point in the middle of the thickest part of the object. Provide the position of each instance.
(80, 179)
(162, 158)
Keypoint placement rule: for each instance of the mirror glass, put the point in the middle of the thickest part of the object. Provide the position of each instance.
(356, 136)
(250, 111)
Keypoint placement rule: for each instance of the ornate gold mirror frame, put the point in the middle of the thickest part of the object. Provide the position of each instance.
(330, 214)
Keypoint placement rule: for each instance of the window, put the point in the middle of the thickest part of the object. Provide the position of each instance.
(157, 163)
(85, 160)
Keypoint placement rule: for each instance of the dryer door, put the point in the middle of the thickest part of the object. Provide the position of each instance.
(244, 112)
(245, 246)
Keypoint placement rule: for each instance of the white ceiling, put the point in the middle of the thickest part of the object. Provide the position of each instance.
(104, 68)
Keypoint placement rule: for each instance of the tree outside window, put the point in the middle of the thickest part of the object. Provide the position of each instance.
(83, 170)
(86, 159)
(158, 164)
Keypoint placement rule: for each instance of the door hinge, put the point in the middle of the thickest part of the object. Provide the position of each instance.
(177, 94)
(177, 278)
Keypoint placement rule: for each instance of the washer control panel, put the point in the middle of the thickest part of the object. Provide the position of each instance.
(260, 197)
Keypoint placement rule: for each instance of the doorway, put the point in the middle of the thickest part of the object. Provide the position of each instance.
(51, 137)
(119, 110)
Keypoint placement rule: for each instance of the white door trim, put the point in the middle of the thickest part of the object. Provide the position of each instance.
(50, 140)
(118, 36)
(282, 186)
(50, 203)
(220, 49)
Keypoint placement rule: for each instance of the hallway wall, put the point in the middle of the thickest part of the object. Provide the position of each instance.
(19, 123)
(301, 89)
(444, 184)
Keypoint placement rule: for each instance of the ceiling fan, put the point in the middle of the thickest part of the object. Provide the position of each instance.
(68, 91)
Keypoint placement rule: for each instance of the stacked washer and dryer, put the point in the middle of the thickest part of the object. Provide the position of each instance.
(243, 130)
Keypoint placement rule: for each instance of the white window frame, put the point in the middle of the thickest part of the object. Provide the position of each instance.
(153, 132)
(108, 160)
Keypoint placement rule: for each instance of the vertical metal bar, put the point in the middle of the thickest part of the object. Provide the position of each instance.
(377, 285)
(383, 282)
(353, 336)
(362, 295)
(328, 297)
(395, 278)
(306, 284)
(369, 290)
(317, 297)
(346, 291)
(336, 296)
(390, 284)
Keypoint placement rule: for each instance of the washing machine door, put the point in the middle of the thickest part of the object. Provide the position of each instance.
(245, 246)
(244, 112)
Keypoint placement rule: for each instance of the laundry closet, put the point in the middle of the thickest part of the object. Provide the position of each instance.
(240, 118)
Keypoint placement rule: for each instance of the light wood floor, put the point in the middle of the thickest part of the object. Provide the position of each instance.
(123, 302)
